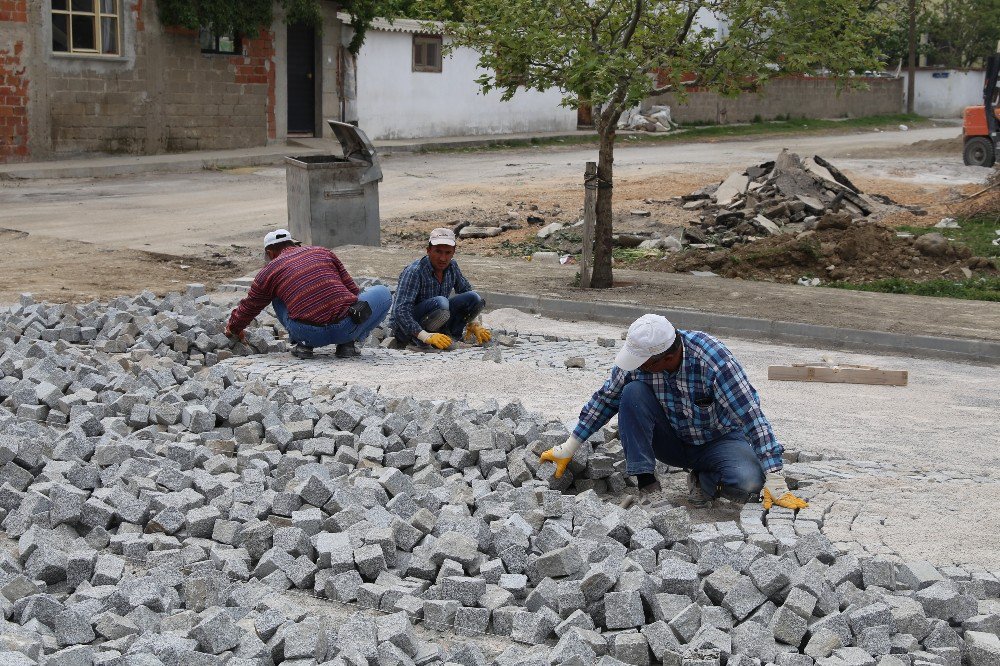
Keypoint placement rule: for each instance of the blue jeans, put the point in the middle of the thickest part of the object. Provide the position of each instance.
(446, 315)
(341, 332)
(727, 465)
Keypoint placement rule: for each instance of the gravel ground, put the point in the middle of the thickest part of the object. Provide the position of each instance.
(915, 465)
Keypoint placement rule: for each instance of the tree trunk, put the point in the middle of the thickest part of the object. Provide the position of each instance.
(602, 278)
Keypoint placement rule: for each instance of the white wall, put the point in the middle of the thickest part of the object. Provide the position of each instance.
(945, 97)
(397, 103)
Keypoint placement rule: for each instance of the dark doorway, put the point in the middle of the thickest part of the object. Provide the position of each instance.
(301, 79)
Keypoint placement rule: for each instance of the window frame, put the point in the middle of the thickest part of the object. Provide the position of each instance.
(216, 38)
(419, 42)
(97, 16)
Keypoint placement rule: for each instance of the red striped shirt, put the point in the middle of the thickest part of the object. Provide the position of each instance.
(310, 281)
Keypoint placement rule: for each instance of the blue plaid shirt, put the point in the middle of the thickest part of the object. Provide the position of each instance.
(416, 284)
(709, 373)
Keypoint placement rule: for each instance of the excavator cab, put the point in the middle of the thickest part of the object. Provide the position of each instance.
(981, 124)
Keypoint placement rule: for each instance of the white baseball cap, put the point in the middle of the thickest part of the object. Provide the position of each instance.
(278, 236)
(648, 336)
(442, 236)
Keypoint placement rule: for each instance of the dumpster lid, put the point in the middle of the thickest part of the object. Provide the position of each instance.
(354, 141)
(357, 148)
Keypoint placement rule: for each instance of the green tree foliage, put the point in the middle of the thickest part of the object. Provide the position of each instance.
(960, 33)
(603, 53)
(247, 17)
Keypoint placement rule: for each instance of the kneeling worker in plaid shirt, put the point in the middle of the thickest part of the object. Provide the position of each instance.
(424, 310)
(683, 398)
(313, 296)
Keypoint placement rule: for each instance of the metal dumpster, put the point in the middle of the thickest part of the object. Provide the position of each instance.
(334, 200)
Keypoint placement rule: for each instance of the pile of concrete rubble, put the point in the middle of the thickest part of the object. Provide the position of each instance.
(158, 509)
(787, 196)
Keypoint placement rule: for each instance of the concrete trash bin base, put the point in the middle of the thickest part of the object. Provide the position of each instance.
(333, 200)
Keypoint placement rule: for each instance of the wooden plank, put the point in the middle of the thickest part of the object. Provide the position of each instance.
(589, 220)
(837, 374)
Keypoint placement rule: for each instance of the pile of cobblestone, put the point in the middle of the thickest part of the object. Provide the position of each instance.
(166, 510)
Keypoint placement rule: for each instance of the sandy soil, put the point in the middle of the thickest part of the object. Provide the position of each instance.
(60, 270)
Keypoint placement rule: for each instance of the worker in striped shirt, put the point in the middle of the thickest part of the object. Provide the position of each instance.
(682, 398)
(313, 297)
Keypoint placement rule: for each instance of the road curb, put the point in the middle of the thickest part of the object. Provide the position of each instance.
(965, 349)
(768, 330)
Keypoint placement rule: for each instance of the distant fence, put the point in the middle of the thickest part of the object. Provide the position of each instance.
(796, 97)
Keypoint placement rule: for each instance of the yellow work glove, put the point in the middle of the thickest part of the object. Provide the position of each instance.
(776, 493)
(476, 330)
(436, 340)
(561, 455)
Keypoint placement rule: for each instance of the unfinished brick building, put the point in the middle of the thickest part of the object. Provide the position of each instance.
(104, 76)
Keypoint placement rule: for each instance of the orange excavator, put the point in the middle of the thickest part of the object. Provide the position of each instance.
(981, 124)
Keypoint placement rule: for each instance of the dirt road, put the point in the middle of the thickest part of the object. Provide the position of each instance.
(219, 216)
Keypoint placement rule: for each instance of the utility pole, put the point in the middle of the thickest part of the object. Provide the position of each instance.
(912, 64)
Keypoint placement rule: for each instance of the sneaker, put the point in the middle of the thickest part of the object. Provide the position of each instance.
(302, 351)
(347, 351)
(696, 495)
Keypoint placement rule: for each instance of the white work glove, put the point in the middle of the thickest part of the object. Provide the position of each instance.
(776, 492)
(561, 455)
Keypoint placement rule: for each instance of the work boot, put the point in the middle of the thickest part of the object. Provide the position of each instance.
(302, 351)
(347, 350)
(696, 495)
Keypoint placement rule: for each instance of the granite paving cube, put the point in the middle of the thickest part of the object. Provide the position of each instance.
(216, 632)
(743, 599)
(472, 621)
(801, 602)
(623, 610)
(687, 623)
(918, 574)
(71, 628)
(876, 641)
(754, 640)
(370, 561)
(983, 649)
(679, 577)
(455, 546)
(463, 589)
(559, 562)
(721, 582)
(533, 628)
(822, 644)
(788, 626)
(630, 648)
(769, 575)
(440, 614)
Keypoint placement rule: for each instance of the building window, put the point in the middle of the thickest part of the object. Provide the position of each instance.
(426, 53)
(86, 26)
(213, 43)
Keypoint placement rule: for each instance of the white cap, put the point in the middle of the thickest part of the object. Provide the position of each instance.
(278, 236)
(648, 336)
(442, 236)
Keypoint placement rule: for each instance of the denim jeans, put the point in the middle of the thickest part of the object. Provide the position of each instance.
(341, 332)
(726, 466)
(446, 315)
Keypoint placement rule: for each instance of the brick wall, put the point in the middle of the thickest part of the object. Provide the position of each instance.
(163, 95)
(14, 11)
(13, 105)
(14, 144)
(798, 97)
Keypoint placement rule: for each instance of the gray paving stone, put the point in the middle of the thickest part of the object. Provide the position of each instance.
(216, 632)
(983, 649)
(623, 610)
